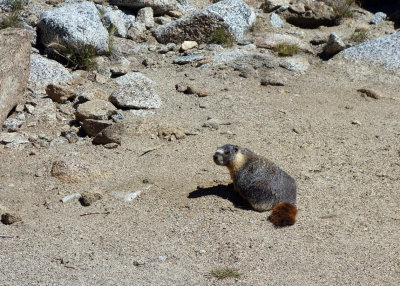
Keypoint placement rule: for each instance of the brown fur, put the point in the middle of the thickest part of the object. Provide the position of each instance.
(283, 214)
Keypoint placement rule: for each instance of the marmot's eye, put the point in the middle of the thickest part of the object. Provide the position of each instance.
(226, 152)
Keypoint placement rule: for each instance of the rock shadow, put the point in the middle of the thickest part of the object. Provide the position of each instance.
(222, 191)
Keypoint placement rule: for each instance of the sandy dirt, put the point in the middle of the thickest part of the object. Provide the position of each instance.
(342, 148)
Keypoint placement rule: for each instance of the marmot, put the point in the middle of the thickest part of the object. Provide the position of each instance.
(260, 182)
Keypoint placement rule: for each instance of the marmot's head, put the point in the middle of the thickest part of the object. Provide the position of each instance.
(226, 154)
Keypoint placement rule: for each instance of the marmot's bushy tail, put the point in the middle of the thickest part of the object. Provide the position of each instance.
(283, 214)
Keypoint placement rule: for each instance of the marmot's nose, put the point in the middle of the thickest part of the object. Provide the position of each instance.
(215, 157)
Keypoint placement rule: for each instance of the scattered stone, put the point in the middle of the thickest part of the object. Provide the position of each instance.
(95, 109)
(14, 62)
(74, 170)
(145, 16)
(12, 124)
(130, 196)
(355, 122)
(72, 27)
(111, 145)
(162, 258)
(120, 66)
(8, 218)
(270, 40)
(13, 138)
(171, 133)
(309, 14)
(70, 135)
(203, 93)
(175, 14)
(334, 45)
(370, 93)
(88, 198)
(60, 93)
(110, 134)
(187, 45)
(70, 197)
(270, 81)
(93, 127)
(276, 21)
(159, 7)
(295, 64)
(211, 123)
(272, 5)
(235, 15)
(136, 92)
(137, 32)
(238, 58)
(188, 59)
(378, 18)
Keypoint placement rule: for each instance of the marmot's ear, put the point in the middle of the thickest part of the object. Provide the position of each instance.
(236, 148)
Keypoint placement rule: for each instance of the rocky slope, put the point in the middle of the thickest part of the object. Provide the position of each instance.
(106, 173)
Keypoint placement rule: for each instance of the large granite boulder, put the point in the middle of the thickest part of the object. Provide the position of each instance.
(15, 49)
(235, 15)
(159, 6)
(72, 27)
(383, 51)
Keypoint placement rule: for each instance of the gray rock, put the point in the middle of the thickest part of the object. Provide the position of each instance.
(269, 40)
(334, 45)
(14, 68)
(12, 124)
(95, 109)
(111, 134)
(93, 127)
(378, 18)
(118, 19)
(295, 64)
(235, 15)
(309, 14)
(137, 32)
(8, 218)
(60, 93)
(136, 92)
(239, 58)
(71, 27)
(74, 170)
(44, 71)
(88, 198)
(272, 5)
(159, 6)
(188, 59)
(383, 51)
(70, 135)
(276, 21)
(70, 197)
(145, 16)
(13, 138)
(120, 66)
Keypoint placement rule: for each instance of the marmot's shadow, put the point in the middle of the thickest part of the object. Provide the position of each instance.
(223, 191)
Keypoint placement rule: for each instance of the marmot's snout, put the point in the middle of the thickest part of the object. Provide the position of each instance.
(218, 159)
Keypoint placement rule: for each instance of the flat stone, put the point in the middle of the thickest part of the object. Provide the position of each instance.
(187, 45)
(95, 109)
(60, 93)
(14, 138)
(136, 92)
(378, 17)
(188, 59)
(74, 170)
(110, 134)
(276, 21)
(93, 127)
(295, 64)
(15, 49)
(269, 40)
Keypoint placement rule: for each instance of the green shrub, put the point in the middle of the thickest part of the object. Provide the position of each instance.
(222, 37)
(342, 8)
(285, 50)
(225, 272)
(11, 20)
(359, 36)
(83, 57)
